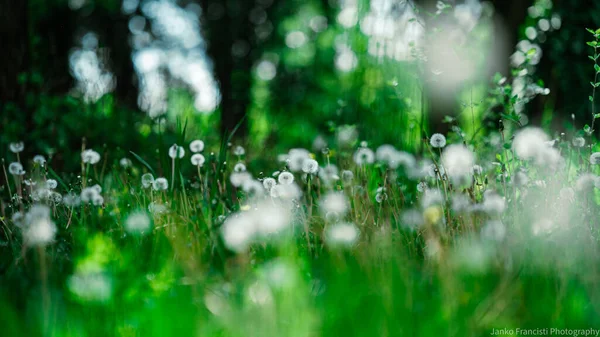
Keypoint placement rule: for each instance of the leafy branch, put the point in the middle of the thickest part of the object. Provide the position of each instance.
(595, 84)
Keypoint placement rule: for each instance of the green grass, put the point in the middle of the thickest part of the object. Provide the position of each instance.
(439, 278)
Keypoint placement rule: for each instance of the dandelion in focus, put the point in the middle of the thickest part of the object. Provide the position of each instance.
(437, 140)
(176, 151)
(197, 146)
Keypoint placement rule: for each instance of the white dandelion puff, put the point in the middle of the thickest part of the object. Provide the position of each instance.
(268, 183)
(40, 232)
(176, 151)
(437, 140)
(197, 159)
(51, 184)
(310, 166)
(16, 169)
(197, 146)
(160, 184)
(125, 162)
(239, 167)
(334, 202)
(238, 232)
(90, 157)
(458, 162)
(147, 180)
(347, 176)
(88, 194)
(238, 178)
(286, 178)
(39, 159)
(137, 222)
(578, 142)
(295, 159)
(595, 158)
(343, 234)
(16, 147)
(364, 156)
(239, 151)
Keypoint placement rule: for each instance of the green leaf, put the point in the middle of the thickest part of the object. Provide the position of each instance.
(596, 116)
(592, 43)
(598, 31)
(591, 98)
(590, 30)
(142, 161)
(586, 128)
(597, 68)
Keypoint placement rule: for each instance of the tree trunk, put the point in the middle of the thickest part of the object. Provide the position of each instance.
(225, 34)
(15, 55)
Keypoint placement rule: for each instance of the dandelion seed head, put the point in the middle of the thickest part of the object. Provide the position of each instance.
(176, 151)
(295, 159)
(411, 218)
(197, 159)
(532, 143)
(239, 151)
(147, 180)
(16, 169)
(329, 174)
(51, 184)
(286, 192)
(380, 197)
(157, 208)
(17, 147)
(90, 156)
(125, 162)
(238, 178)
(39, 159)
(364, 156)
(239, 167)
(268, 183)
(39, 229)
(437, 140)
(97, 200)
(160, 184)
(520, 178)
(138, 222)
(579, 142)
(458, 162)
(91, 286)
(586, 182)
(197, 146)
(334, 202)
(253, 187)
(270, 219)
(310, 166)
(88, 194)
(431, 197)
(71, 200)
(285, 178)
(342, 234)
(493, 203)
(238, 232)
(595, 158)
(347, 176)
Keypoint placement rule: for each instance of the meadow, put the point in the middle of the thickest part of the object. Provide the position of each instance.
(345, 208)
